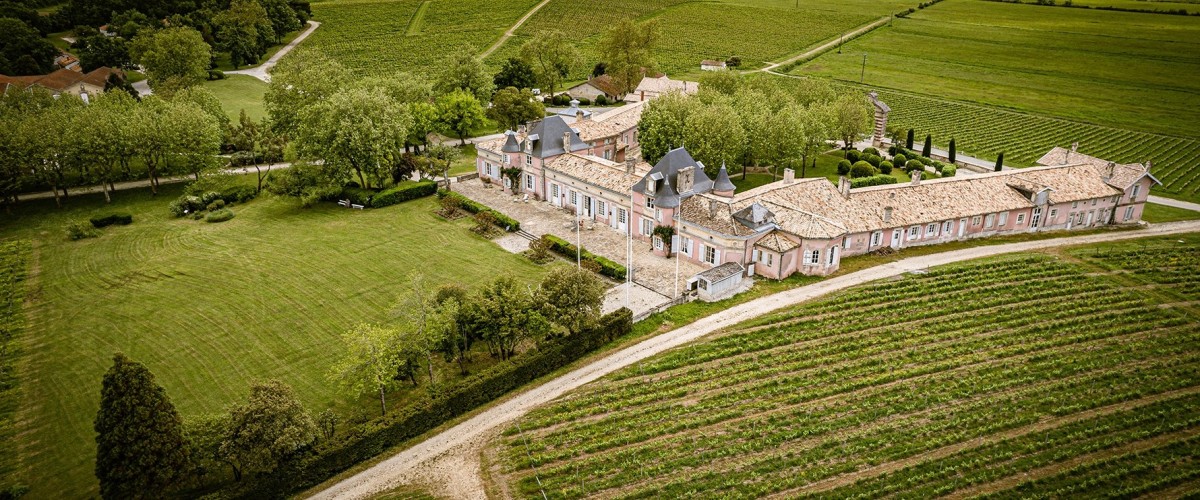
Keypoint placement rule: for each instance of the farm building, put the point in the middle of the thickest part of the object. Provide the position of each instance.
(711, 65)
(599, 86)
(64, 81)
(651, 87)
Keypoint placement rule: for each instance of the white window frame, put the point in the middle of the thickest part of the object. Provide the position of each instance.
(1133, 193)
(1003, 219)
(876, 239)
(658, 215)
(529, 181)
(647, 227)
(601, 208)
(528, 160)
(832, 254)
(710, 254)
(812, 257)
(989, 221)
(931, 230)
(1020, 219)
(649, 202)
(1128, 213)
(574, 197)
(1053, 214)
(621, 214)
(685, 245)
(846, 243)
(914, 232)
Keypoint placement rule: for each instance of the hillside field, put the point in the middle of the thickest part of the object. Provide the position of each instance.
(210, 308)
(1071, 373)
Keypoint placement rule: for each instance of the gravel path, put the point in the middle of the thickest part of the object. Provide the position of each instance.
(463, 440)
(262, 71)
(508, 34)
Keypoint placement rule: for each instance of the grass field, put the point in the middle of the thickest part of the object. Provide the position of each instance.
(895, 387)
(1189, 6)
(1108, 68)
(210, 308)
(238, 92)
(14, 264)
(1162, 213)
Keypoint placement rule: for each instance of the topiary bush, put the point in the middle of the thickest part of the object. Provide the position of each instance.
(221, 215)
(914, 165)
(870, 151)
(216, 205)
(843, 167)
(874, 180)
(861, 169)
(601, 100)
(885, 167)
(583, 101)
(949, 171)
(357, 195)
(403, 193)
(78, 230)
(874, 160)
(853, 156)
(121, 219)
(899, 159)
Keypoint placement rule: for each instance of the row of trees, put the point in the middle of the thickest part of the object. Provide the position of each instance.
(58, 143)
(739, 121)
(449, 320)
(144, 449)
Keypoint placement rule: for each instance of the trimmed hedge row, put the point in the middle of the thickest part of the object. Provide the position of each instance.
(874, 180)
(121, 219)
(502, 221)
(607, 267)
(435, 410)
(403, 193)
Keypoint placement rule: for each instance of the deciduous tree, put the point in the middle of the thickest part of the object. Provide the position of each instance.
(663, 123)
(23, 51)
(514, 73)
(626, 48)
(714, 136)
(459, 113)
(464, 70)
(359, 130)
(268, 429)
(512, 107)
(301, 80)
(513, 316)
(140, 449)
(851, 117)
(552, 56)
(174, 58)
(370, 362)
(572, 298)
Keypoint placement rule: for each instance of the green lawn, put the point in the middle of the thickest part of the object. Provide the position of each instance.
(1110, 68)
(1162, 213)
(212, 307)
(238, 92)
(465, 163)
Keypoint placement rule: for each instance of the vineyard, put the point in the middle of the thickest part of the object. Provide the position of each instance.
(1026, 375)
(986, 131)
(374, 38)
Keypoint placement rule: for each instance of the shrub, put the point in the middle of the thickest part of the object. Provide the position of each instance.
(562, 100)
(539, 250)
(949, 171)
(871, 151)
(216, 205)
(484, 219)
(885, 167)
(938, 166)
(874, 160)
(607, 267)
(186, 204)
(216, 74)
(197, 215)
(601, 100)
(927, 148)
(450, 206)
(502, 221)
(238, 194)
(843, 167)
(122, 219)
(220, 215)
(899, 159)
(403, 193)
(78, 230)
(209, 197)
(853, 156)
(914, 165)
(583, 101)
(892, 150)
(357, 195)
(874, 180)
(862, 169)
(733, 61)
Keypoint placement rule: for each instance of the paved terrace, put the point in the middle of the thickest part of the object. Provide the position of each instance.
(538, 218)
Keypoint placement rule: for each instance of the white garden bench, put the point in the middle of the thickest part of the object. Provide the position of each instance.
(360, 207)
(344, 203)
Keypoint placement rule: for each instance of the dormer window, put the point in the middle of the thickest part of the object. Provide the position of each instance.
(528, 147)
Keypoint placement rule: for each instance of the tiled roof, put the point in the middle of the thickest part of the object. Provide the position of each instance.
(776, 241)
(605, 83)
(722, 272)
(663, 84)
(1122, 176)
(597, 171)
(611, 123)
(710, 62)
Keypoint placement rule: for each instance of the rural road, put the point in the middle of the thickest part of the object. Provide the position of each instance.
(828, 45)
(385, 474)
(508, 34)
(262, 71)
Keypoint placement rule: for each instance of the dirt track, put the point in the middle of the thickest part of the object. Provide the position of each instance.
(449, 461)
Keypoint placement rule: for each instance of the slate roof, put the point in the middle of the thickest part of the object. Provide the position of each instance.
(723, 183)
(510, 143)
(546, 136)
(668, 168)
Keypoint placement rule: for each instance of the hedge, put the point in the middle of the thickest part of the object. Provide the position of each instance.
(403, 193)
(607, 267)
(503, 221)
(401, 425)
(357, 195)
(221, 215)
(874, 180)
(122, 219)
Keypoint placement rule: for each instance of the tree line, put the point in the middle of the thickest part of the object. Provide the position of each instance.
(740, 121)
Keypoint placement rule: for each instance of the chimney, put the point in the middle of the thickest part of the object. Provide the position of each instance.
(887, 214)
(567, 141)
(685, 179)
(1074, 146)
(789, 176)
(579, 116)
(712, 208)
(642, 98)
(844, 186)
(521, 128)
(629, 163)
(916, 178)
(1148, 166)
(1110, 170)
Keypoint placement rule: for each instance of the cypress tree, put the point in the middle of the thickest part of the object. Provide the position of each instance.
(927, 148)
(140, 449)
(1000, 161)
(908, 143)
(952, 151)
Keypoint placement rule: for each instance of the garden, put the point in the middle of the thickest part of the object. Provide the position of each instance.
(849, 397)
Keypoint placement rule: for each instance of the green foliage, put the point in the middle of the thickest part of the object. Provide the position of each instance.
(140, 450)
(244, 31)
(625, 46)
(853, 156)
(78, 230)
(714, 136)
(216, 205)
(514, 73)
(502, 221)
(874, 180)
(219, 215)
(571, 298)
(607, 267)
(463, 71)
(551, 56)
(949, 171)
(270, 428)
(120, 218)
(953, 153)
(299, 81)
(862, 169)
(459, 112)
(926, 147)
(900, 159)
(186, 204)
(174, 58)
(23, 51)
(1000, 161)
(843, 167)
(402, 193)
(431, 411)
(512, 107)
(913, 166)
(885, 167)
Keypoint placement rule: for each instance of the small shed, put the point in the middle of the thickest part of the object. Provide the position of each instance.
(711, 65)
(602, 85)
(718, 282)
